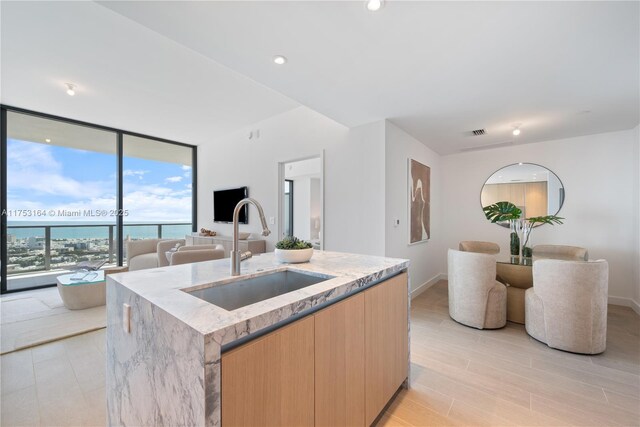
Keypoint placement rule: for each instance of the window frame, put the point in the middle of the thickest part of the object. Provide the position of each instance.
(120, 134)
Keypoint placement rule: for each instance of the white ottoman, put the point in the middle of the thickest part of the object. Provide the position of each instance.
(78, 292)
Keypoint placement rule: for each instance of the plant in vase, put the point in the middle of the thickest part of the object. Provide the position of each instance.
(293, 250)
(507, 211)
(527, 227)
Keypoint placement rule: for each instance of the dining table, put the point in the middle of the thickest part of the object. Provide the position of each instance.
(516, 272)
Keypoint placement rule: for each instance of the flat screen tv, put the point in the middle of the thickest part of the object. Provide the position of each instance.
(225, 201)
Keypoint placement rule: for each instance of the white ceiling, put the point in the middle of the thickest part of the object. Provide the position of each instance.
(128, 76)
(436, 69)
(193, 71)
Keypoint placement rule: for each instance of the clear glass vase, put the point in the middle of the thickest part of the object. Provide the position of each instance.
(527, 252)
(515, 240)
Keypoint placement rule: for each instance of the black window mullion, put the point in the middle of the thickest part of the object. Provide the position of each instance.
(194, 190)
(3, 198)
(119, 203)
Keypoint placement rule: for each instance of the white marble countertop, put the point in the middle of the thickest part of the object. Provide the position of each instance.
(164, 287)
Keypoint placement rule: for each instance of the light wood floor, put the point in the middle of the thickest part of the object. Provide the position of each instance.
(467, 377)
(459, 376)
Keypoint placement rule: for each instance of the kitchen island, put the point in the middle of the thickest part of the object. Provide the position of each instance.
(176, 358)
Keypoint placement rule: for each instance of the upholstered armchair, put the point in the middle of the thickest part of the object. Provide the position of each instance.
(197, 253)
(567, 306)
(561, 251)
(480, 247)
(142, 254)
(163, 247)
(476, 298)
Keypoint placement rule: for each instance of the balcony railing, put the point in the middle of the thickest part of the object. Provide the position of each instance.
(58, 247)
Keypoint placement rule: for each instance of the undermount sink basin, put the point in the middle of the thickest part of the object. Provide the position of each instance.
(243, 292)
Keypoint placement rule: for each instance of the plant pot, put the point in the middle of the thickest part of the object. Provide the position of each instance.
(294, 256)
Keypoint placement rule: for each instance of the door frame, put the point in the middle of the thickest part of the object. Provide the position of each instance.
(281, 178)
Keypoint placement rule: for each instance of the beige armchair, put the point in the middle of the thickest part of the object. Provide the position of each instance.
(567, 306)
(197, 253)
(479, 247)
(476, 298)
(561, 251)
(142, 254)
(165, 246)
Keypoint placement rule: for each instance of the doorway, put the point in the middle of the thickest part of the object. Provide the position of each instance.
(301, 200)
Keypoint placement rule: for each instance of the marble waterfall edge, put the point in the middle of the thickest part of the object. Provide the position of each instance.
(166, 370)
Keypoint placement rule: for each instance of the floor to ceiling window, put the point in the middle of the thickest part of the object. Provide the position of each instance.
(157, 189)
(61, 203)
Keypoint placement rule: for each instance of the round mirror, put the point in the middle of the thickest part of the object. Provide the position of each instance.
(536, 190)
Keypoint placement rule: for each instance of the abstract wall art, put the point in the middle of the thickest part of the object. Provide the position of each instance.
(419, 202)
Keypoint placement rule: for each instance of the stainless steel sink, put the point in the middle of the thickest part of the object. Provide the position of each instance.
(243, 292)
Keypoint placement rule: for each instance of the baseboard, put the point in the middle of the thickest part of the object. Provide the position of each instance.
(625, 302)
(426, 285)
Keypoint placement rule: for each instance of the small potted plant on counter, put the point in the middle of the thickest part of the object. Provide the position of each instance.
(293, 250)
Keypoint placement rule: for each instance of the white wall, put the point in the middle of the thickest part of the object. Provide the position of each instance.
(354, 175)
(301, 208)
(315, 207)
(636, 137)
(600, 184)
(427, 259)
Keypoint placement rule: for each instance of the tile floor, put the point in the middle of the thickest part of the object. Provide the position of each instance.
(459, 376)
(55, 384)
(463, 376)
(33, 317)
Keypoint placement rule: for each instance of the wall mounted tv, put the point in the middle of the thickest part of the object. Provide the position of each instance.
(225, 201)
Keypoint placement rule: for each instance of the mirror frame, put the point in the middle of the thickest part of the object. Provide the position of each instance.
(564, 192)
(281, 178)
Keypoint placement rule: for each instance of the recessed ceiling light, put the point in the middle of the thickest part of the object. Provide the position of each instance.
(71, 89)
(47, 140)
(374, 5)
(520, 164)
(280, 60)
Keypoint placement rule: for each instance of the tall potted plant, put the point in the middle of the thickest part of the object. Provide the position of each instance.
(528, 225)
(506, 211)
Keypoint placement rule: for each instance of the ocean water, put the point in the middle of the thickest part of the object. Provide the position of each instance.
(138, 231)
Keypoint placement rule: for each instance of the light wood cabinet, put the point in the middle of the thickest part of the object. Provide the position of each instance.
(529, 196)
(339, 359)
(386, 343)
(269, 381)
(337, 367)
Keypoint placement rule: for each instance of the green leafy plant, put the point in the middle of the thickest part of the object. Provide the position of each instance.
(507, 211)
(293, 243)
(528, 227)
(502, 211)
(549, 219)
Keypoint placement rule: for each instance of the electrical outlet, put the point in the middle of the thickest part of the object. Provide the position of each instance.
(272, 220)
(126, 318)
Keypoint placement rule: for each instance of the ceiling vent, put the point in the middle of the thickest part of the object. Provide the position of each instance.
(479, 132)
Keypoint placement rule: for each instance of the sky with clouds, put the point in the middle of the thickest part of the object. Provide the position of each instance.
(45, 177)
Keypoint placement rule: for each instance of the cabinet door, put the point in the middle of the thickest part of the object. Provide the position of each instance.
(269, 381)
(339, 360)
(386, 343)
